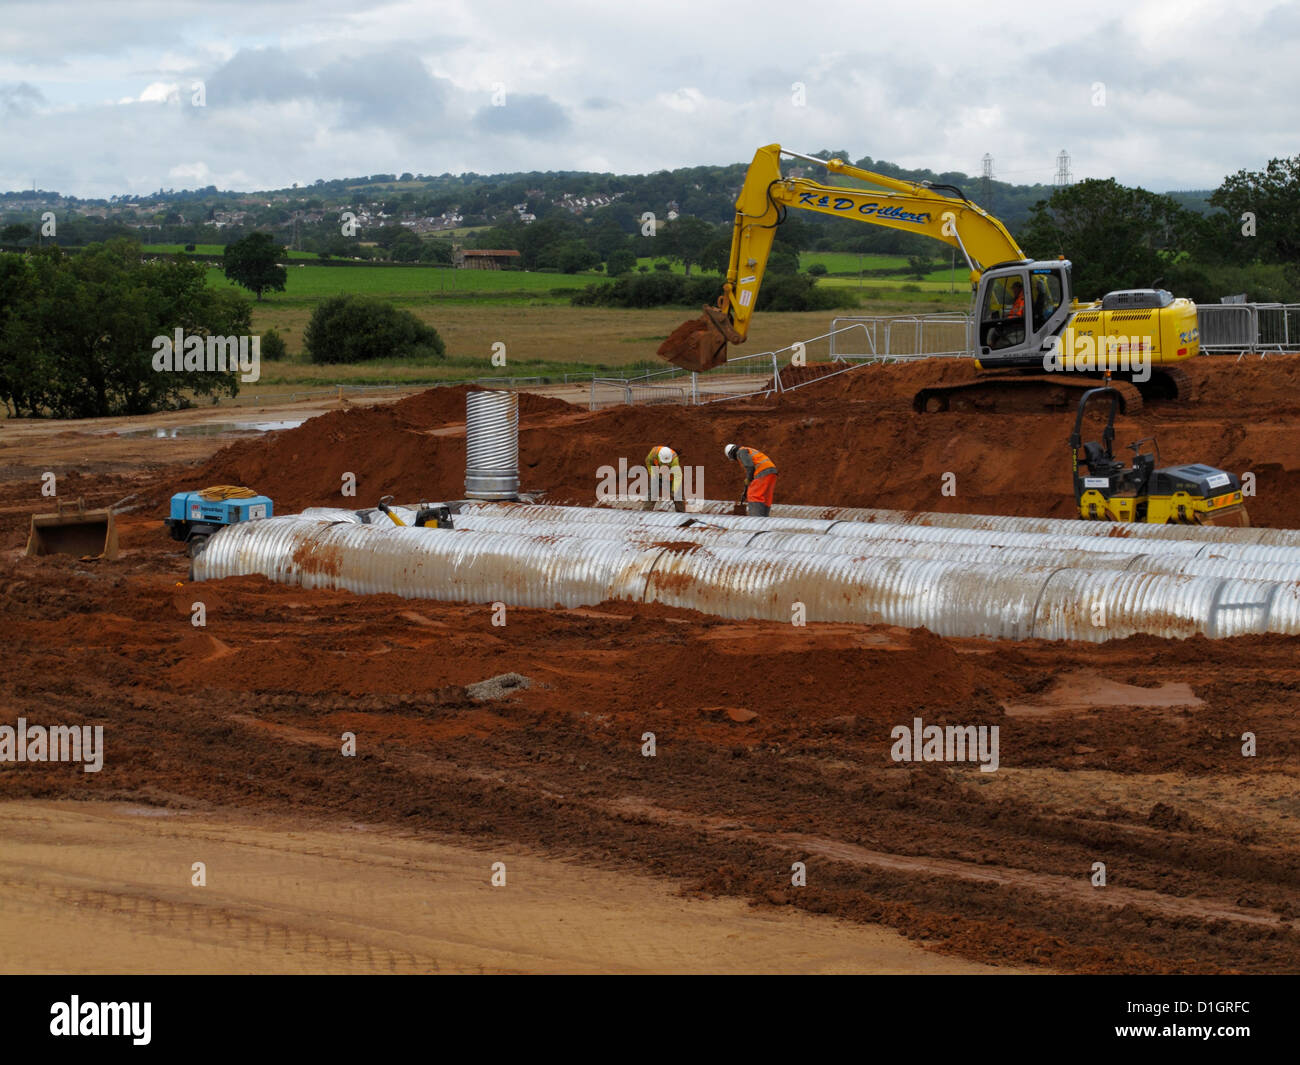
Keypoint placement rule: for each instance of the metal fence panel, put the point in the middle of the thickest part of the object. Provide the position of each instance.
(900, 336)
(1227, 327)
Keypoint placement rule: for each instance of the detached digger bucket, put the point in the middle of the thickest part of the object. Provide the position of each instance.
(74, 530)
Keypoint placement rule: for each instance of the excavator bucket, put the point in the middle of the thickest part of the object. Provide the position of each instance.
(74, 530)
(701, 343)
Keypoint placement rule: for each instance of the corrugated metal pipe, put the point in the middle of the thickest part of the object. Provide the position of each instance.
(1003, 523)
(951, 598)
(492, 445)
(1027, 550)
(1072, 537)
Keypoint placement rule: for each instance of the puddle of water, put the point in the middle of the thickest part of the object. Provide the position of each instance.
(1083, 691)
(169, 432)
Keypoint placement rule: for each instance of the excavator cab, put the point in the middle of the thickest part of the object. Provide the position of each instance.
(1022, 308)
(1107, 490)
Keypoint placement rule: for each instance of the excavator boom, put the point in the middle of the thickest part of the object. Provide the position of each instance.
(764, 199)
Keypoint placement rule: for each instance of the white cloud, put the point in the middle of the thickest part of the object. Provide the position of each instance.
(160, 92)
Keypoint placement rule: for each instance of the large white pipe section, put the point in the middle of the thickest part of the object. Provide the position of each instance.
(998, 522)
(1136, 540)
(949, 598)
(1028, 550)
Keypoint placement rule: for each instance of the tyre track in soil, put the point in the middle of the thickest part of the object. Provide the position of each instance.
(94, 887)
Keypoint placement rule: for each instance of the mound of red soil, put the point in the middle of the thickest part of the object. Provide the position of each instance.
(852, 440)
(413, 449)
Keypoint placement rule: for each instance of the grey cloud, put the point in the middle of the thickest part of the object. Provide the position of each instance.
(259, 74)
(389, 87)
(531, 114)
(20, 98)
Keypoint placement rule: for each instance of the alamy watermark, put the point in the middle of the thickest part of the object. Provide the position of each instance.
(946, 743)
(197, 354)
(77, 1018)
(55, 743)
(637, 482)
(1085, 353)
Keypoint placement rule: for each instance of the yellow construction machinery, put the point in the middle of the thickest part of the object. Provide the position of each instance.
(1106, 490)
(426, 517)
(1026, 324)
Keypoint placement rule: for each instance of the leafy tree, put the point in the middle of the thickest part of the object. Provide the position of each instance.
(799, 292)
(254, 263)
(573, 256)
(716, 256)
(79, 335)
(1261, 219)
(686, 240)
(407, 247)
(1116, 237)
(918, 266)
(784, 292)
(620, 262)
(362, 328)
(15, 232)
(388, 235)
(783, 259)
(817, 270)
(273, 348)
(436, 251)
(607, 237)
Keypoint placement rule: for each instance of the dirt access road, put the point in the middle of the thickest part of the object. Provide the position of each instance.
(108, 888)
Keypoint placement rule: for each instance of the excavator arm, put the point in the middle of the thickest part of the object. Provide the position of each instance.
(766, 196)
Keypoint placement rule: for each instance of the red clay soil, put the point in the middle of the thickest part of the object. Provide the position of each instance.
(853, 440)
(249, 712)
(773, 742)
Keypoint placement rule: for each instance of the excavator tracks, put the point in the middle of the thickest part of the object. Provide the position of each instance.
(1174, 382)
(1034, 393)
(1019, 394)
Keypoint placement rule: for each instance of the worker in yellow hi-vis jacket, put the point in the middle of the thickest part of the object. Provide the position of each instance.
(660, 463)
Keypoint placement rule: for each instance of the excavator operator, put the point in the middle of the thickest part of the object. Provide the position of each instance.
(760, 478)
(1017, 300)
(1010, 328)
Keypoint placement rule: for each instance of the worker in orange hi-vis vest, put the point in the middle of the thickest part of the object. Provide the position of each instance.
(661, 462)
(760, 478)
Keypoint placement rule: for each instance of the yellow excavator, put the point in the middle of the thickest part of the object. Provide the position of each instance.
(1028, 334)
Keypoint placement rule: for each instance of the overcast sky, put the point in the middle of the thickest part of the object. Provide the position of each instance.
(97, 98)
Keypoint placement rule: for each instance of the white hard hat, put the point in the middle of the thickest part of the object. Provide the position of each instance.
(666, 456)
(729, 450)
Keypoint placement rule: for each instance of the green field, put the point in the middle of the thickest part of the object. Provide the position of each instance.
(530, 313)
(214, 249)
(843, 266)
(309, 282)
